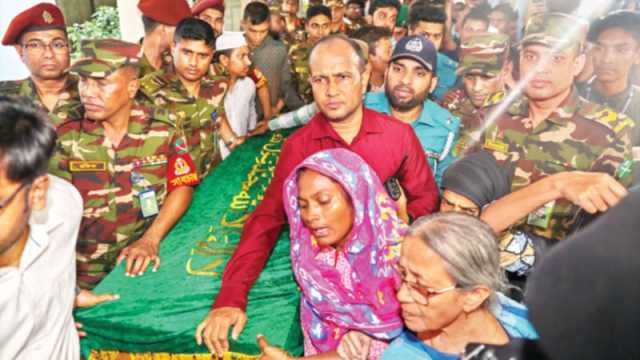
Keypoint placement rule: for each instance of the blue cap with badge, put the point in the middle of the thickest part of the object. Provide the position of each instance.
(417, 48)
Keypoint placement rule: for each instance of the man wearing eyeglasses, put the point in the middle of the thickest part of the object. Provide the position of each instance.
(39, 36)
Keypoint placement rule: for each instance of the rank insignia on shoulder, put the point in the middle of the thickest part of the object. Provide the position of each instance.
(87, 166)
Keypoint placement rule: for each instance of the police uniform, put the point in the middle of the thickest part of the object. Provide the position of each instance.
(42, 17)
(123, 186)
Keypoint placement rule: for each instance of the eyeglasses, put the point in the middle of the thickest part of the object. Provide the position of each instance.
(8, 200)
(422, 294)
(37, 46)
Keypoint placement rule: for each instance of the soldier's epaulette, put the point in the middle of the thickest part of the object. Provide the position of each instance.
(162, 114)
(152, 83)
(10, 87)
(604, 115)
(494, 99)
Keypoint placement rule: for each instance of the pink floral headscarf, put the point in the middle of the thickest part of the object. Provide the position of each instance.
(330, 309)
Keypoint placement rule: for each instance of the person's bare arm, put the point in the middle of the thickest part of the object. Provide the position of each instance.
(593, 192)
(270, 352)
(448, 43)
(145, 250)
(228, 136)
(265, 102)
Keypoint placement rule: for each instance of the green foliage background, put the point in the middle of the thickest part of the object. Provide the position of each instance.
(104, 23)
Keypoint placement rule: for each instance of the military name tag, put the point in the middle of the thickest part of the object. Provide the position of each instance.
(495, 145)
(87, 166)
(148, 203)
(542, 216)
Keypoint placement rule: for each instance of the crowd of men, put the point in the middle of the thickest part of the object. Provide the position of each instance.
(114, 143)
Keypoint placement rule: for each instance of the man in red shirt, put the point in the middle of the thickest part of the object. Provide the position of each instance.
(389, 146)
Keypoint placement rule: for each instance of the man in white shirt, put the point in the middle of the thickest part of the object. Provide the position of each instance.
(232, 55)
(40, 217)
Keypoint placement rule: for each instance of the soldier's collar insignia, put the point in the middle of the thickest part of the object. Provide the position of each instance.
(414, 45)
(47, 17)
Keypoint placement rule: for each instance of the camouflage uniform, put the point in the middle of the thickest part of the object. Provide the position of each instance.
(486, 55)
(196, 116)
(577, 136)
(67, 107)
(294, 34)
(353, 26)
(459, 104)
(146, 68)
(112, 179)
(299, 59)
(103, 174)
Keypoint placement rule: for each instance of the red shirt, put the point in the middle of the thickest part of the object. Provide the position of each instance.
(389, 146)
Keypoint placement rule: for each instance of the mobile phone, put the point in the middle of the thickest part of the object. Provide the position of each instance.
(392, 185)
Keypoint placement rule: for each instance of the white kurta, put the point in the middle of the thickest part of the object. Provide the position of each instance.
(37, 297)
(240, 109)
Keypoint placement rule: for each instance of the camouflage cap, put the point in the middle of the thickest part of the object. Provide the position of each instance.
(102, 57)
(487, 53)
(555, 30)
(334, 3)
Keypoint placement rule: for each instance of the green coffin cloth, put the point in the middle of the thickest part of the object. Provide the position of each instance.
(159, 312)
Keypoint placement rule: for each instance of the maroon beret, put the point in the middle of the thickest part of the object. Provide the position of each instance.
(202, 5)
(43, 16)
(168, 12)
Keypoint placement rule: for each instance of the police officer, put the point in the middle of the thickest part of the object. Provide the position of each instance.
(317, 26)
(409, 80)
(159, 18)
(40, 38)
(133, 172)
(484, 64)
(551, 129)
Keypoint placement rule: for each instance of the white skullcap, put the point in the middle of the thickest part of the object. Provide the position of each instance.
(230, 40)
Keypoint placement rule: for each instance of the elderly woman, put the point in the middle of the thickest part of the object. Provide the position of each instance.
(450, 294)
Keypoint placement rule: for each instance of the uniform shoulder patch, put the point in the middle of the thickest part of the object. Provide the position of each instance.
(163, 115)
(605, 116)
(494, 99)
(152, 83)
